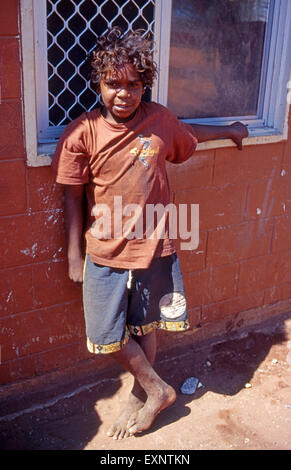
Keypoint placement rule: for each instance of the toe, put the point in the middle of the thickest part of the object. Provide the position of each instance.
(123, 434)
(111, 431)
(132, 430)
(116, 434)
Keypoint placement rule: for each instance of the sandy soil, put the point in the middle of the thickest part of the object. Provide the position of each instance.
(243, 402)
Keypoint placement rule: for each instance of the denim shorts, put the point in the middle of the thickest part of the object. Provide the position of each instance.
(121, 302)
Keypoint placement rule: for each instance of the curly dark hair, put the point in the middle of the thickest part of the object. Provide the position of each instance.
(115, 49)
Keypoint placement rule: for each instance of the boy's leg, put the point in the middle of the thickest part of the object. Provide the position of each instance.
(160, 395)
(148, 344)
(137, 397)
(157, 293)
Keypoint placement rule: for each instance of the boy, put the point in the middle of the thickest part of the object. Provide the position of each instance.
(132, 283)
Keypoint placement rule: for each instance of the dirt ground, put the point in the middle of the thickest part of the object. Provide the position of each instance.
(243, 401)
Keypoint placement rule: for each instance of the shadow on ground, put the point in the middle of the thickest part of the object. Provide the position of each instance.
(66, 419)
(70, 418)
(224, 368)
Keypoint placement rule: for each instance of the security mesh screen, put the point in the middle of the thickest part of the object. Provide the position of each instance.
(72, 27)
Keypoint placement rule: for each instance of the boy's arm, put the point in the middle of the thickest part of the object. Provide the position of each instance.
(236, 132)
(74, 228)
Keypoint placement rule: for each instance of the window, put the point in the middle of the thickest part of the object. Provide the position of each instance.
(72, 27)
(219, 61)
(226, 60)
(230, 42)
(57, 36)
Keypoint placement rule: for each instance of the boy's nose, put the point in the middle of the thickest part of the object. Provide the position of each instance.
(123, 92)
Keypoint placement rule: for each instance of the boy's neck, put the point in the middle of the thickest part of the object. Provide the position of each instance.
(115, 119)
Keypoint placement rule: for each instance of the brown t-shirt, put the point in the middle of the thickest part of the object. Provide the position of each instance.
(124, 164)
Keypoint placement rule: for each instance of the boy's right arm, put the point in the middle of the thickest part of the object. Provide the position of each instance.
(74, 218)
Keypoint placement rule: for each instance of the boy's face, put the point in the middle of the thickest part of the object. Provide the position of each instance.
(121, 91)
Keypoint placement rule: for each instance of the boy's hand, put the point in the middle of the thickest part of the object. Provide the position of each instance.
(76, 269)
(238, 132)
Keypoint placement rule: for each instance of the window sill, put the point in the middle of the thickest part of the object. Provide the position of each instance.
(45, 151)
(254, 139)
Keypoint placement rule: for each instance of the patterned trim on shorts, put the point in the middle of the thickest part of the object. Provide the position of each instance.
(137, 331)
(160, 325)
(108, 348)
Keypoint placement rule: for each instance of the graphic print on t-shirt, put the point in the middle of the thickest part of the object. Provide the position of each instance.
(146, 150)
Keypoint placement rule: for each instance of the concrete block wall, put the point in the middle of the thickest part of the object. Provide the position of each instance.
(243, 260)
(242, 264)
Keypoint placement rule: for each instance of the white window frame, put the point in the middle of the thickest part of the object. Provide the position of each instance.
(271, 127)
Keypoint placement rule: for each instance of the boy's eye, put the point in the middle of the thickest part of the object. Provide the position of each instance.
(135, 84)
(112, 84)
(117, 86)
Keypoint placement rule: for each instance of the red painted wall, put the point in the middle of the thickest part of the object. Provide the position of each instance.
(243, 262)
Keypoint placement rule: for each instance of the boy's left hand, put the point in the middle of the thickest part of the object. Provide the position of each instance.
(238, 132)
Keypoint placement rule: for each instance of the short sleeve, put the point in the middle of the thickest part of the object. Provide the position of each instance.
(70, 161)
(183, 140)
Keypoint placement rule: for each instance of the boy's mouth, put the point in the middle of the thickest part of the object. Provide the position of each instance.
(123, 106)
(124, 109)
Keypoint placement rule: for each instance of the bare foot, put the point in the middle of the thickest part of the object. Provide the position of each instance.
(119, 429)
(143, 419)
